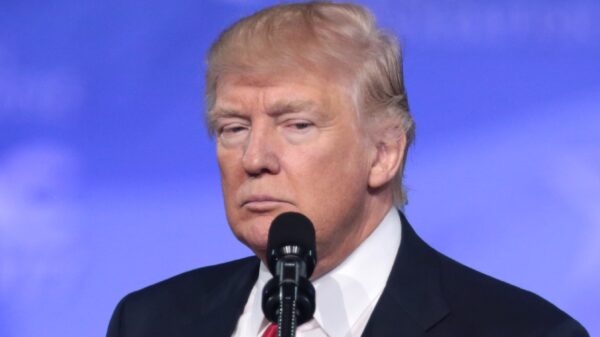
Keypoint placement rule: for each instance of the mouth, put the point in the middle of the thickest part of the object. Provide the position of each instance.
(263, 203)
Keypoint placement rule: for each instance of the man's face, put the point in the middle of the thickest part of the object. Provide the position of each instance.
(291, 143)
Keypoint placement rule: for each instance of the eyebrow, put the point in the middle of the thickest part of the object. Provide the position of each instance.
(224, 112)
(216, 113)
(276, 109)
(284, 107)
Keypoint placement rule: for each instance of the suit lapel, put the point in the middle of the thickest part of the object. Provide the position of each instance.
(410, 304)
(225, 304)
(412, 300)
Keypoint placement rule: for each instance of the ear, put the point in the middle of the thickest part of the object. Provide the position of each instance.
(388, 157)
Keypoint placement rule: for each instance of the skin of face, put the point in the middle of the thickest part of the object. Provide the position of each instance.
(294, 142)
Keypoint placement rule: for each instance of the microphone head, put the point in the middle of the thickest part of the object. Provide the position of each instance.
(292, 229)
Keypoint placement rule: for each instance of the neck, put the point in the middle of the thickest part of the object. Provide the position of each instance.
(336, 252)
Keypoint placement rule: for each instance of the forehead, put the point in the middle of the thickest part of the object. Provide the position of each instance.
(275, 91)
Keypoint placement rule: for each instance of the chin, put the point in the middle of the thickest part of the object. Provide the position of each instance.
(254, 235)
(252, 228)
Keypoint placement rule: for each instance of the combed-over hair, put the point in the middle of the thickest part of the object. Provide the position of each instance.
(337, 41)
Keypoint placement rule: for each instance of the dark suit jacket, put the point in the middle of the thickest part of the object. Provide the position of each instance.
(427, 294)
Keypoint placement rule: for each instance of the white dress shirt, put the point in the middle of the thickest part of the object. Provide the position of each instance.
(345, 296)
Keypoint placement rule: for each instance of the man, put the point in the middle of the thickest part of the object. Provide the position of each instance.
(309, 111)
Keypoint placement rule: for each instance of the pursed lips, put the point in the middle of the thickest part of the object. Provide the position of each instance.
(262, 203)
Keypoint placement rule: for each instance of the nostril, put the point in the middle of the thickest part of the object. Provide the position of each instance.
(259, 173)
(259, 162)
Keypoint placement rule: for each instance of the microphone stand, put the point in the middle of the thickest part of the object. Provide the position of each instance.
(289, 277)
(288, 299)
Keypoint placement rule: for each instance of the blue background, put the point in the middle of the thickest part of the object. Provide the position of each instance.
(108, 179)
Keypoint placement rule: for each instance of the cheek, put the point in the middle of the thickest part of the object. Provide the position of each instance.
(229, 161)
(346, 164)
(230, 183)
(229, 168)
(335, 177)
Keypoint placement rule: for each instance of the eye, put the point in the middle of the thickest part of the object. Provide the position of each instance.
(301, 125)
(299, 130)
(298, 125)
(232, 133)
(232, 129)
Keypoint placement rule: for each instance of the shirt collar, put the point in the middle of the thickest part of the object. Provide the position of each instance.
(346, 292)
(257, 321)
(352, 287)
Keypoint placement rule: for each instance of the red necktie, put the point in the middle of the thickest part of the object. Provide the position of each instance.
(271, 331)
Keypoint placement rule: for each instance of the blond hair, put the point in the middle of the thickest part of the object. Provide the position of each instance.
(338, 41)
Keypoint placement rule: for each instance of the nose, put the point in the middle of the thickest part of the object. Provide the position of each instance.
(260, 156)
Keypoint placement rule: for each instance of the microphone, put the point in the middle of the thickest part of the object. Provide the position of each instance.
(288, 299)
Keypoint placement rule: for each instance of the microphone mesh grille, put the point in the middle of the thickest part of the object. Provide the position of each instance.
(293, 229)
